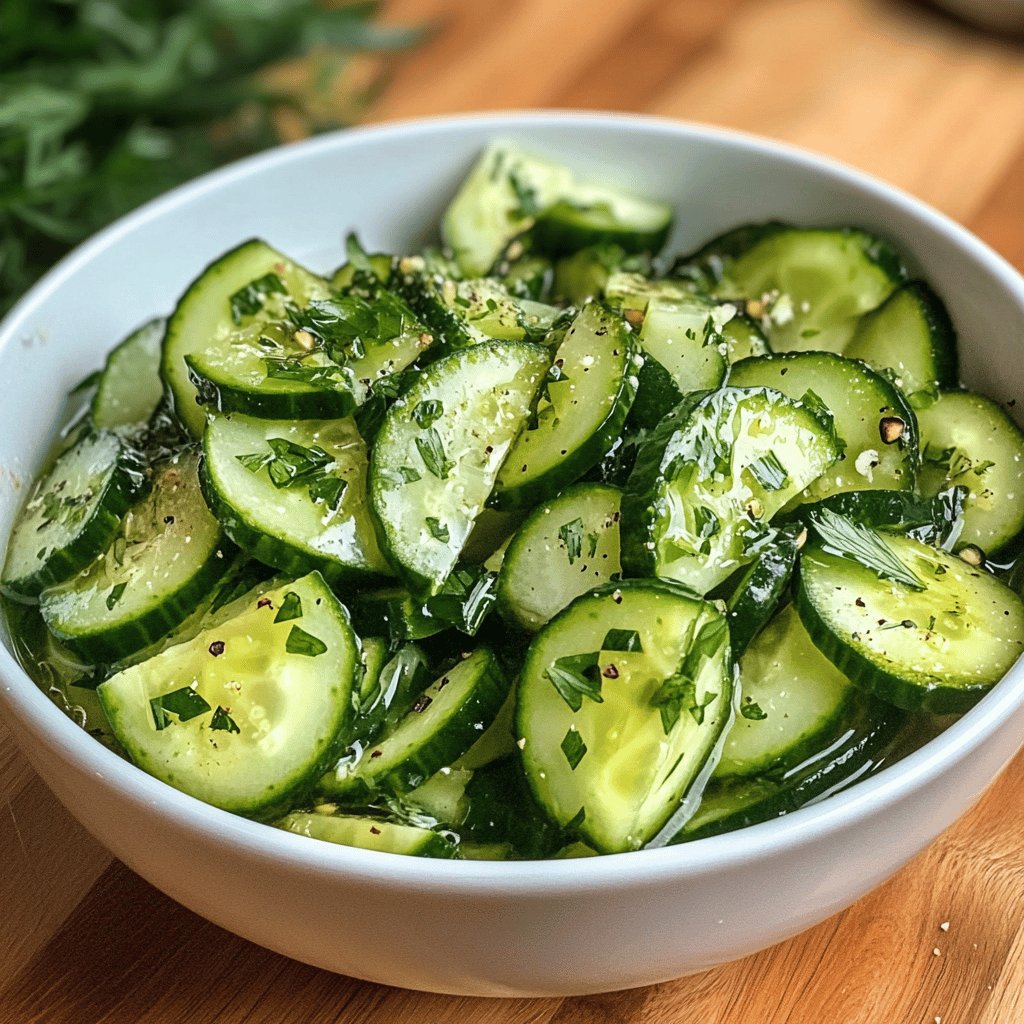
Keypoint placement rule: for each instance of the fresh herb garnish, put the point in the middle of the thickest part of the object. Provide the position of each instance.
(291, 608)
(438, 530)
(301, 642)
(223, 722)
(769, 472)
(427, 412)
(705, 522)
(576, 676)
(577, 819)
(573, 748)
(753, 711)
(848, 539)
(571, 535)
(328, 489)
(622, 640)
(432, 453)
(526, 197)
(289, 464)
(325, 377)
(248, 301)
(592, 539)
(115, 595)
(466, 599)
(679, 691)
(185, 703)
(106, 105)
(357, 255)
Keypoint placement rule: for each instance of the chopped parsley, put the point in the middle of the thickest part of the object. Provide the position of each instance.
(466, 599)
(573, 748)
(769, 472)
(289, 464)
(679, 691)
(622, 640)
(432, 453)
(571, 535)
(753, 711)
(223, 722)
(184, 703)
(576, 676)
(438, 530)
(291, 608)
(428, 412)
(301, 642)
(115, 595)
(248, 301)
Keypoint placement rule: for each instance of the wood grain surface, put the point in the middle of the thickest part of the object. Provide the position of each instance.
(894, 88)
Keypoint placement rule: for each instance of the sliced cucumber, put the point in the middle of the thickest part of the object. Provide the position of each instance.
(370, 834)
(293, 494)
(794, 703)
(762, 588)
(486, 305)
(969, 441)
(567, 546)
(594, 214)
(864, 407)
(621, 702)
(498, 200)
(939, 648)
(229, 323)
(388, 696)
(737, 802)
(129, 388)
(169, 553)
(439, 450)
(73, 513)
(267, 707)
(812, 284)
(911, 334)
(392, 612)
(443, 724)
(588, 393)
(585, 274)
(529, 277)
(709, 479)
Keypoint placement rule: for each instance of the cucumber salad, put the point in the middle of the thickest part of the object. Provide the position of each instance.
(536, 543)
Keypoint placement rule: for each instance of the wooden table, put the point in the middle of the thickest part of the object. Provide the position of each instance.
(890, 87)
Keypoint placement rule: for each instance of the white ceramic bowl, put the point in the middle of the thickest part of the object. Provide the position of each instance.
(542, 928)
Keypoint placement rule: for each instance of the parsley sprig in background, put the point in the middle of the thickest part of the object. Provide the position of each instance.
(106, 103)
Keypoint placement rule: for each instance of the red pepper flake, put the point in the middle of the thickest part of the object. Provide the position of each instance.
(374, 831)
(422, 703)
(217, 648)
(610, 672)
(264, 602)
(375, 753)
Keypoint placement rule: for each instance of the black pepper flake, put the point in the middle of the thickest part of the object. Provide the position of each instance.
(375, 753)
(610, 672)
(422, 703)
(860, 602)
(891, 428)
(169, 520)
(217, 648)
(264, 602)
(374, 831)
(444, 682)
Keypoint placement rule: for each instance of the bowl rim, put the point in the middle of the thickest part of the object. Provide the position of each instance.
(23, 699)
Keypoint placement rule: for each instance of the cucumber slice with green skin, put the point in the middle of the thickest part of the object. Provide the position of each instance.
(813, 283)
(594, 214)
(911, 334)
(380, 268)
(385, 699)
(709, 479)
(937, 521)
(213, 335)
(292, 493)
(373, 654)
(969, 441)
(439, 450)
(168, 555)
(392, 612)
(617, 764)
(704, 268)
(130, 388)
(500, 199)
(762, 588)
(588, 395)
(794, 702)
(939, 649)
(284, 683)
(72, 514)
(734, 803)
(862, 403)
(443, 724)
(566, 547)
(585, 274)
(529, 277)
(370, 834)
(741, 335)
(684, 351)
(491, 310)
